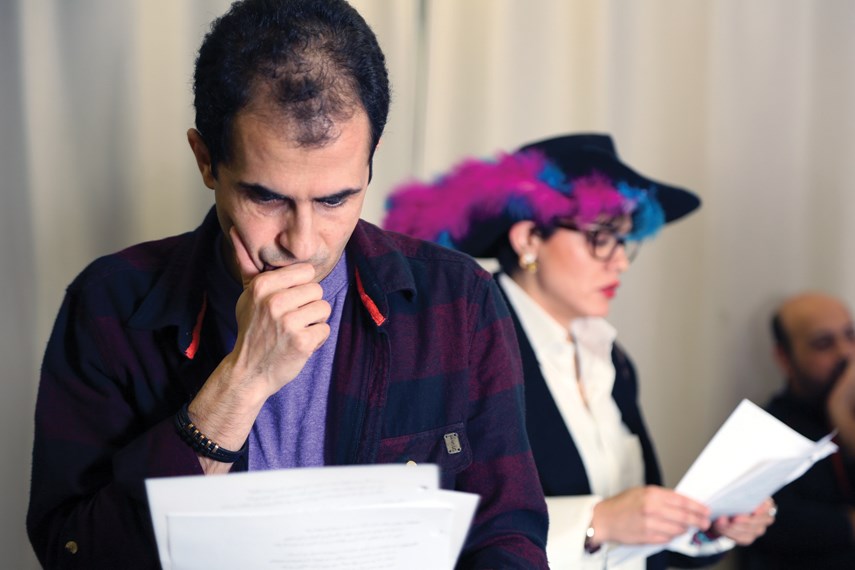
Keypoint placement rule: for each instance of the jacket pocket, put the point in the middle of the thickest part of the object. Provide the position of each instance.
(448, 447)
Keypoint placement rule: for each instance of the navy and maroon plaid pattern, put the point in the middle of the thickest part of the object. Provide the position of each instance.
(426, 348)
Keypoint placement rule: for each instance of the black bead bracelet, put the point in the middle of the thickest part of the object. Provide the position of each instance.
(200, 442)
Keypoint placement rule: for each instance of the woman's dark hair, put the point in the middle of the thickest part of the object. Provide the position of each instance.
(508, 258)
(316, 60)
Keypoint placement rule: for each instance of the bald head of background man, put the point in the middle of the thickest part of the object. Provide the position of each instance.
(814, 339)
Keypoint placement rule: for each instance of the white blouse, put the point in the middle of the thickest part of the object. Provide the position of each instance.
(611, 454)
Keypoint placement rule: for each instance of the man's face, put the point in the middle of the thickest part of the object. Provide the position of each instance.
(290, 203)
(821, 334)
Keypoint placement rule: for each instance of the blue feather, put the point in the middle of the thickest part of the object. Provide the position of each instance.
(648, 217)
(444, 239)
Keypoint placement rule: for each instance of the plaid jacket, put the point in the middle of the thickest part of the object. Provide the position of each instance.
(426, 347)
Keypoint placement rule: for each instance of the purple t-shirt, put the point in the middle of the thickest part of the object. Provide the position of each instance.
(290, 429)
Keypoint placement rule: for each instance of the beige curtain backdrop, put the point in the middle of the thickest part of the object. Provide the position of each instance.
(748, 102)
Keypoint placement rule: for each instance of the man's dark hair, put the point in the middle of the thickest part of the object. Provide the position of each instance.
(779, 334)
(316, 60)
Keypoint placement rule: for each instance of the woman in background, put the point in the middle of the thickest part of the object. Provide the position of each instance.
(564, 218)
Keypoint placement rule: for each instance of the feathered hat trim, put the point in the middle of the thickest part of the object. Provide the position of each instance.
(477, 200)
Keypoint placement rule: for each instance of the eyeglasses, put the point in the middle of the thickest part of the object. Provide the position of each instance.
(603, 241)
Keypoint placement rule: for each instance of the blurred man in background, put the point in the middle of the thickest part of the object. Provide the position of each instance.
(814, 341)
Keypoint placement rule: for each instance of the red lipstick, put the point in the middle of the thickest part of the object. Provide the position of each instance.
(610, 291)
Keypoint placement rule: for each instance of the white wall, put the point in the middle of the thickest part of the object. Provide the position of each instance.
(17, 303)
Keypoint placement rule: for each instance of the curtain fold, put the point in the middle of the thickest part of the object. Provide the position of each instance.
(18, 300)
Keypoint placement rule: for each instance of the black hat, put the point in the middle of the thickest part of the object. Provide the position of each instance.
(583, 154)
(471, 207)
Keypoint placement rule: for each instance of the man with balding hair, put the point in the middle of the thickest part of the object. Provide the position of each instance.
(814, 341)
(285, 331)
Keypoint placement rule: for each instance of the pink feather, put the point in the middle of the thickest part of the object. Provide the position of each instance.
(476, 191)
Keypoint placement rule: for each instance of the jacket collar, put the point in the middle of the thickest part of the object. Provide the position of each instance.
(178, 296)
(381, 269)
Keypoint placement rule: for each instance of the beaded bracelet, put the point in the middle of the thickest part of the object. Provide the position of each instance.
(201, 443)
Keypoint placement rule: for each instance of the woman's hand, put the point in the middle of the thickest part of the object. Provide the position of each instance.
(647, 515)
(745, 529)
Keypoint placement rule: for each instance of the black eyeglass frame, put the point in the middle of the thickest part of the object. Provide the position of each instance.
(592, 234)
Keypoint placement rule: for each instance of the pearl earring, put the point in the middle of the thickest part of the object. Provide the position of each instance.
(528, 261)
